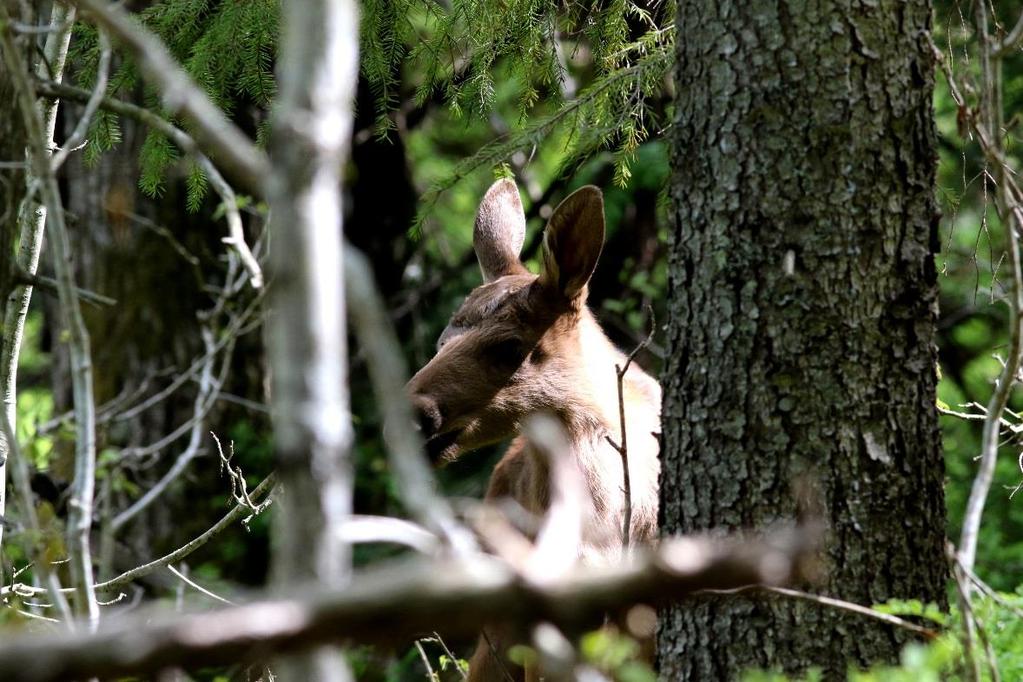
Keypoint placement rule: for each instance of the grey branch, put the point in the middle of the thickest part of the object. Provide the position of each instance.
(237, 513)
(203, 401)
(49, 284)
(91, 105)
(388, 372)
(623, 446)
(312, 120)
(394, 603)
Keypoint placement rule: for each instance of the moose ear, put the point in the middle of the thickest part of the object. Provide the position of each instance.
(500, 230)
(572, 242)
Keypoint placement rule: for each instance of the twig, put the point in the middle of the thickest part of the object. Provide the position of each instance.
(831, 602)
(360, 529)
(107, 410)
(203, 400)
(391, 603)
(98, 90)
(1019, 486)
(962, 592)
(454, 659)
(234, 221)
(623, 446)
(50, 285)
(253, 405)
(264, 488)
(426, 662)
(197, 587)
(235, 329)
(987, 590)
(239, 487)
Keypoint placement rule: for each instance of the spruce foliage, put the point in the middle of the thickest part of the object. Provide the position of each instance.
(418, 53)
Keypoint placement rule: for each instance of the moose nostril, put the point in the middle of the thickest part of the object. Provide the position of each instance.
(427, 417)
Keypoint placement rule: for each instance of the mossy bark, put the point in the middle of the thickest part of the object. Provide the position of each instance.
(802, 306)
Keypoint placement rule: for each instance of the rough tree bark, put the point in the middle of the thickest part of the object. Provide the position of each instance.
(802, 302)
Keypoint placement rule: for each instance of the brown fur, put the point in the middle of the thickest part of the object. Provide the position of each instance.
(522, 343)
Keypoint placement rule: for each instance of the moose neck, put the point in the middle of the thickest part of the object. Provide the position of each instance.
(591, 409)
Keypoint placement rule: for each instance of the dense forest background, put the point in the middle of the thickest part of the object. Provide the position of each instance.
(449, 96)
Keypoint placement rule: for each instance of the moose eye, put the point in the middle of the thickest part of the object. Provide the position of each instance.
(508, 353)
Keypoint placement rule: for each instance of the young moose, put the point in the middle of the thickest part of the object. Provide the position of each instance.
(522, 343)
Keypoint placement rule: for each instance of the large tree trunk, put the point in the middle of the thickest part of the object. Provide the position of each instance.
(801, 316)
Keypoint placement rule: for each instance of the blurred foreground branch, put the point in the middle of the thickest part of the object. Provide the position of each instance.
(397, 602)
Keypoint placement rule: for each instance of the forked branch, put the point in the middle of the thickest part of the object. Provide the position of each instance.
(623, 446)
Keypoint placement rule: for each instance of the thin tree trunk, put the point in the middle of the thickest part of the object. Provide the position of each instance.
(30, 218)
(312, 128)
(802, 303)
(12, 191)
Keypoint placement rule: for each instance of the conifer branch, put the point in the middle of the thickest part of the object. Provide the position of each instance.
(240, 158)
(187, 144)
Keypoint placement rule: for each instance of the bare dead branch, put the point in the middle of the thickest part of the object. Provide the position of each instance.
(239, 487)
(388, 372)
(236, 238)
(989, 592)
(969, 626)
(360, 529)
(49, 285)
(393, 603)
(623, 446)
(235, 328)
(92, 104)
(197, 587)
(264, 488)
(204, 399)
(831, 602)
